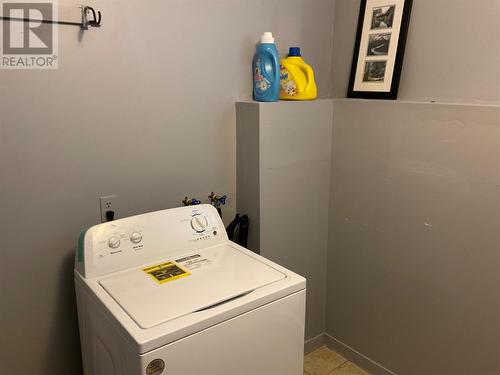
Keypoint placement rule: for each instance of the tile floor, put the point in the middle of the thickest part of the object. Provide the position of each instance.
(324, 361)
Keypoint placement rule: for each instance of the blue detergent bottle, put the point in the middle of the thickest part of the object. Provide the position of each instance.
(266, 70)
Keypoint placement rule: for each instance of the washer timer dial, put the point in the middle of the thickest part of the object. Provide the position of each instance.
(199, 223)
(114, 242)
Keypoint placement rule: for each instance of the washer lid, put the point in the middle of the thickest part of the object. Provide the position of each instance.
(164, 291)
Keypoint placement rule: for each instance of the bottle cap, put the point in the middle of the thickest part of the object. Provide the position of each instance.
(294, 51)
(267, 37)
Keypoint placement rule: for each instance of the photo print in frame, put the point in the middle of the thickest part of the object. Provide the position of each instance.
(379, 49)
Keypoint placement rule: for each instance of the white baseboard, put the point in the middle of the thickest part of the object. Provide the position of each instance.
(356, 357)
(346, 351)
(314, 343)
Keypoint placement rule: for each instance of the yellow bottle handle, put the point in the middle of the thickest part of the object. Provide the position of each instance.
(310, 91)
(309, 73)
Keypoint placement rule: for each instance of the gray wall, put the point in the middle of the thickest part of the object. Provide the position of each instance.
(452, 51)
(413, 262)
(283, 178)
(143, 108)
(414, 266)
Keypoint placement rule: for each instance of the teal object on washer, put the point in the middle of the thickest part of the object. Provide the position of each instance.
(81, 243)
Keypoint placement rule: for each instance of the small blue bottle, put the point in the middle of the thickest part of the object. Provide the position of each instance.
(266, 70)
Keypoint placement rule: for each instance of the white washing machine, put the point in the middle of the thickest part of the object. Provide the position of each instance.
(167, 293)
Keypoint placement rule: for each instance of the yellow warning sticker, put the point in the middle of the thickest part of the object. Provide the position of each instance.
(165, 272)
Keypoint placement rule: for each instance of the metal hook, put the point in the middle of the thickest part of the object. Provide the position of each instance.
(95, 22)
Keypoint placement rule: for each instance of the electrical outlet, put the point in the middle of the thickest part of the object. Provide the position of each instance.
(107, 203)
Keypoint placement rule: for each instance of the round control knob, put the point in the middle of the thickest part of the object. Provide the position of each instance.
(114, 242)
(135, 237)
(199, 223)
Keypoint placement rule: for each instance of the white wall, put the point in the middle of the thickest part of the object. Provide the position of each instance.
(143, 108)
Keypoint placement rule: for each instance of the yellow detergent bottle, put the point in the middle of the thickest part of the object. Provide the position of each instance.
(296, 78)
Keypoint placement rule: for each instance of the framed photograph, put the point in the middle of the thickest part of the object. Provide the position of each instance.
(379, 49)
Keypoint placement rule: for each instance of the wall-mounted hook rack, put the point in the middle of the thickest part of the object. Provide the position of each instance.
(94, 20)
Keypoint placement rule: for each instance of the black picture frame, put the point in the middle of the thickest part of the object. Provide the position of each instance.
(399, 55)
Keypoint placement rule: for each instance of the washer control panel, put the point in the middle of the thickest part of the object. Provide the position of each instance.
(204, 226)
(115, 240)
(136, 240)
